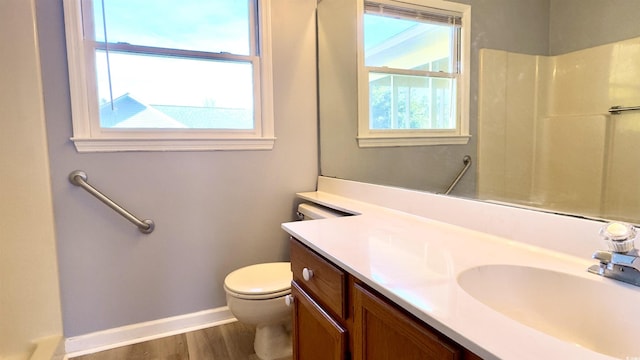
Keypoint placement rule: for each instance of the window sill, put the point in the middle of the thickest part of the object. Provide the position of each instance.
(388, 141)
(87, 145)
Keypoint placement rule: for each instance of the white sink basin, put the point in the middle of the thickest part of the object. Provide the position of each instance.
(598, 314)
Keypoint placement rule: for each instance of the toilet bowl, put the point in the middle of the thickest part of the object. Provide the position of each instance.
(256, 296)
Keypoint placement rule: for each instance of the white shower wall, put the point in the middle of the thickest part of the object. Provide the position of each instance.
(29, 294)
(557, 146)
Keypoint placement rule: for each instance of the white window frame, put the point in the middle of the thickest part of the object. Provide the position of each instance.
(88, 136)
(416, 137)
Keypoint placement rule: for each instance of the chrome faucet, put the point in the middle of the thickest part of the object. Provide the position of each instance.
(621, 262)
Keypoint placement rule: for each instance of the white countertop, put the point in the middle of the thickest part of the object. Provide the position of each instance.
(415, 262)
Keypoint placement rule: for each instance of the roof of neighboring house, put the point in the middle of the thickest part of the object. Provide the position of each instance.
(129, 112)
(209, 117)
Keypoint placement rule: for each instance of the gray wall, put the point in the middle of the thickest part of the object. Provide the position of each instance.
(214, 211)
(520, 26)
(580, 24)
(429, 168)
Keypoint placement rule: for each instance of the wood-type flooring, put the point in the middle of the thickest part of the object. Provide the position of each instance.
(233, 341)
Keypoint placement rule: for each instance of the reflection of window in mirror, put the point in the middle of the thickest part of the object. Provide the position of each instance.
(413, 78)
(188, 75)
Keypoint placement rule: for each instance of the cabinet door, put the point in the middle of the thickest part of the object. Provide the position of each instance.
(316, 335)
(381, 332)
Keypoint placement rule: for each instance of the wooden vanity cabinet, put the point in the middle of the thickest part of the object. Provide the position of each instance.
(336, 316)
(319, 291)
(383, 332)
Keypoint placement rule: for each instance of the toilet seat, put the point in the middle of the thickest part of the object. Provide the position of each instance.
(260, 281)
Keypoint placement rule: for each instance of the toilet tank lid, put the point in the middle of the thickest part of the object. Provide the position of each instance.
(260, 279)
(315, 211)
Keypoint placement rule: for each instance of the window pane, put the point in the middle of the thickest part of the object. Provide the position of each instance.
(202, 25)
(411, 102)
(407, 44)
(169, 92)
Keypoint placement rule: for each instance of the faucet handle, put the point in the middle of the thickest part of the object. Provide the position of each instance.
(603, 256)
(618, 231)
(619, 236)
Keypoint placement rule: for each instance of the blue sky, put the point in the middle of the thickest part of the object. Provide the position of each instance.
(208, 25)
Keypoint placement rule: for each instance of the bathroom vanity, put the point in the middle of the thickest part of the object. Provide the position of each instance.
(415, 275)
(336, 314)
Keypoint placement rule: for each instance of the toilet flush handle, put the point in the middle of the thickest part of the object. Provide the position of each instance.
(307, 274)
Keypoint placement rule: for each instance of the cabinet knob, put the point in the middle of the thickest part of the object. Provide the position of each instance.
(307, 274)
(288, 300)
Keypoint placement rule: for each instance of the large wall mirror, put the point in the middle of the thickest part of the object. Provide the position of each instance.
(544, 74)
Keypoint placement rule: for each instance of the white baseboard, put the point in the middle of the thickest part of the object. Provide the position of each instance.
(131, 334)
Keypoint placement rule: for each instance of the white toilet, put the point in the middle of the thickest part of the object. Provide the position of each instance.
(256, 296)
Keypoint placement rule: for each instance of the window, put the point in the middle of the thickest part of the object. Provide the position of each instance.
(170, 75)
(413, 78)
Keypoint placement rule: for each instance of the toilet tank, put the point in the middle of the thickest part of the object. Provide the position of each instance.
(307, 211)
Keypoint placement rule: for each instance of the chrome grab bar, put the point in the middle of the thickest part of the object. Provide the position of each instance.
(467, 163)
(616, 110)
(79, 178)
